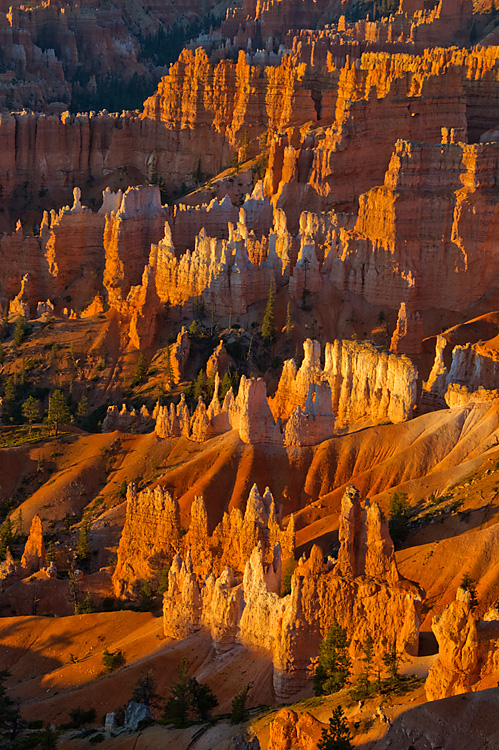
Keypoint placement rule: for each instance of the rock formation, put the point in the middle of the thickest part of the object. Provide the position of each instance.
(127, 421)
(472, 374)
(290, 730)
(251, 612)
(150, 539)
(179, 354)
(34, 558)
(468, 649)
(365, 383)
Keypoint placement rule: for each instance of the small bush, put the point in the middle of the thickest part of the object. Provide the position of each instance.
(112, 660)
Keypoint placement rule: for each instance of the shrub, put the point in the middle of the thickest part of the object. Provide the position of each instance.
(112, 660)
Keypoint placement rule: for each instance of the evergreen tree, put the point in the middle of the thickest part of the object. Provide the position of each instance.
(6, 537)
(239, 712)
(177, 706)
(31, 411)
(333, 667)
(363, 686)
(20, 330)
(469, 584)
(83, 546)
(141, 369)
(200, 385)
(399, 516)
(268, 323)
(288, 321)
(2, 354)
(58, 411)
(225, 386)
(8, 710)
(145, 689)
(392, 658)
(168, 368)
(202, 699)
(9, 393)
(19, 523)
(82, 408)
(337, 736)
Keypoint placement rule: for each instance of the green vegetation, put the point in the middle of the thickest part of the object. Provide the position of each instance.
(337, 736)
(268, 322)
(189, 699)
(239, 712)
(58, 411)
(333, 668)
(31, 411)
(82, 545)
(20, 331)
(469, 584)
(145, 689)
(7, 536)
(287, 576)
(399, 516)
(112, 660)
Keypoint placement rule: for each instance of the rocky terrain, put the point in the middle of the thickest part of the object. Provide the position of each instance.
(249, 394)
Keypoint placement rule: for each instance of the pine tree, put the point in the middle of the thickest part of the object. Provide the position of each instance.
(200, 385)
(82, 408)
(31, 411)
(8, 710)
(201, 698)
(239, 712)
(337, 736)
(225, 386)
(19, 523)
(168, 368)
(392, 658)
(58, 411)
(288, 321)
(469, 584)
(20, 330)
(83, 546)
(333, 667)
(6, 537)
(141, 369)
(145, 689)
(177, 706)
(268, 323)
(9, 393)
